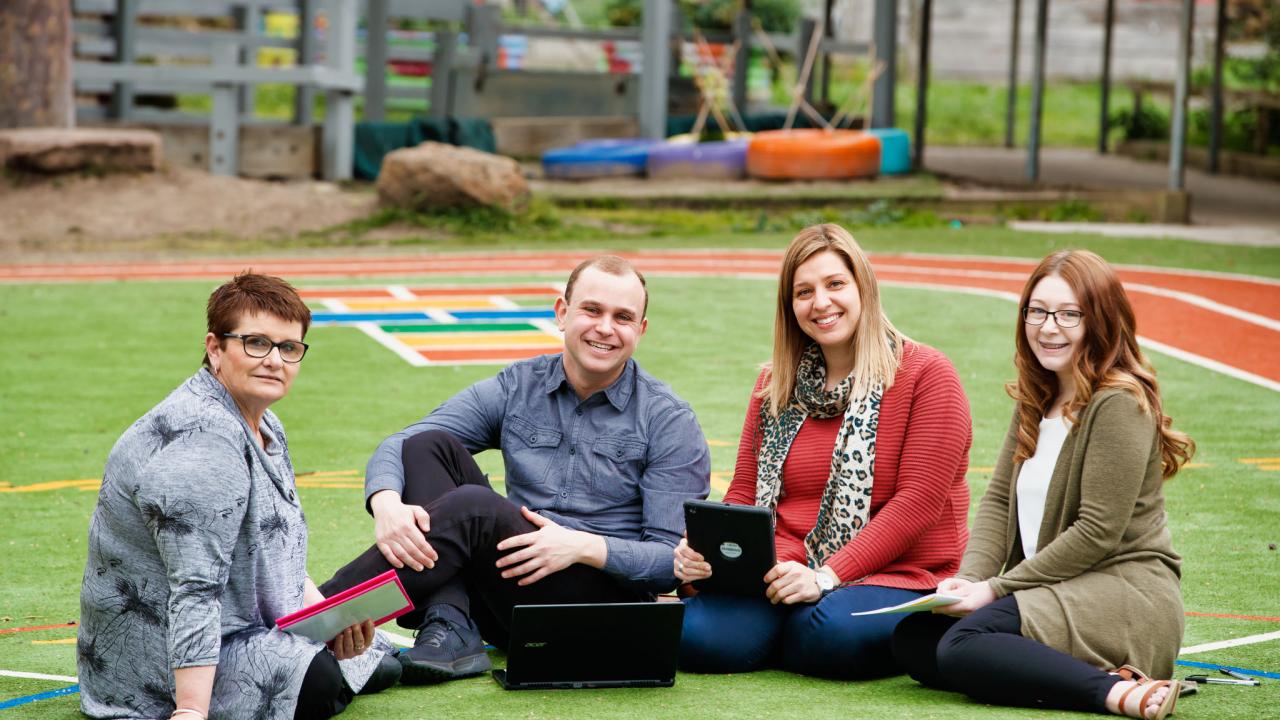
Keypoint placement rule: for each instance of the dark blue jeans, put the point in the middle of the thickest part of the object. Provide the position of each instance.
(731, 634)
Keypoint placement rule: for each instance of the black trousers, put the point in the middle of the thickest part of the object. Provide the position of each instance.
(324, 692)
(986, 657)
(468, 520)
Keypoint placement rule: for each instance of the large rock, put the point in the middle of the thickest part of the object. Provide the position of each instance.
(435, 175)
(56, 150)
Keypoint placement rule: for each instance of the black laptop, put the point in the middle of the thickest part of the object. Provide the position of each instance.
(612, 645)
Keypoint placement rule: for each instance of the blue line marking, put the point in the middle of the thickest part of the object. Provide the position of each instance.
(1213, 666)
(69, 690)
(366, 317)
(461, 315)
(502, 314)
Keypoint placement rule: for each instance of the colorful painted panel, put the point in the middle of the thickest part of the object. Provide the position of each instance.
(457, 325)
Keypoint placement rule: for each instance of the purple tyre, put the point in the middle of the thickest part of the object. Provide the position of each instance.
(723, 160)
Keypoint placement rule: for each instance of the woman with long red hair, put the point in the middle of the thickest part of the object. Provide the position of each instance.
(1069, 588)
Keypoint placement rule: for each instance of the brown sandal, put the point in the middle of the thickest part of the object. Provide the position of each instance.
(1134, 705)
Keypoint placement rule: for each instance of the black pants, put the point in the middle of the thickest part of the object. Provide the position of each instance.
(985, 656)
(468, 520)
(324, 692)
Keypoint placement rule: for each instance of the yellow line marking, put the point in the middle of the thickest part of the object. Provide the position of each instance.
(330, 486)
(1260, 461)
(720, 480)
(1196, 466)
(978, 469)
(720, 443)
(87, 484)
(329, 473)
(61, 641)
(448, 303)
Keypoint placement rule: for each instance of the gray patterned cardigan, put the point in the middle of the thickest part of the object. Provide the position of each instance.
(198, 543)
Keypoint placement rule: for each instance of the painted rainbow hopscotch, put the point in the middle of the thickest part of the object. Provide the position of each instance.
(456, 325)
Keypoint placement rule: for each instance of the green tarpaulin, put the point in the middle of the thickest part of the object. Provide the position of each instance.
(375, 139)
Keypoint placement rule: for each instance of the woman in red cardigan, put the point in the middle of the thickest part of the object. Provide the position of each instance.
(858, 439)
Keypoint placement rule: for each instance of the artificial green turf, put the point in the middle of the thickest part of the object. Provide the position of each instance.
(82, 361)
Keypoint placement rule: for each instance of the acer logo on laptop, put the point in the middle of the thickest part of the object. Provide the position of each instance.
(535, 644)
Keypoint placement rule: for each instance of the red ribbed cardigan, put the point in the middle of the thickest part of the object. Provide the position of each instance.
(919, 497)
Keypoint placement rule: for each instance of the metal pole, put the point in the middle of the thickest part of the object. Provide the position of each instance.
(442, 61)
(375, 61)
(804, 38)
(248, 18)
(1037, 91)
(657, 59)
(741, 33)
(1215, 125)
(339, 118)
(885, 36)
(224, 120)
(304, 95)
(826, 57)
(125, 29)
(1011, 108)
(922, 86)
(1178, 126)
(1104, 121)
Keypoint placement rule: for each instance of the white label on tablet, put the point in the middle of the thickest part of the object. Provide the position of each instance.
(731, 550)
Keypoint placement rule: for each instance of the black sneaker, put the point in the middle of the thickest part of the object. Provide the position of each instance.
(446, 647)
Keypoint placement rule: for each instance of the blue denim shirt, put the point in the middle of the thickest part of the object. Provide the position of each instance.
(619, 464)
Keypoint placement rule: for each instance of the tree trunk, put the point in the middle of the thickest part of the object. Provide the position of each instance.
(35, 64)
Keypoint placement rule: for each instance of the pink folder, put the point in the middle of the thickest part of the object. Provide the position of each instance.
(381, 598)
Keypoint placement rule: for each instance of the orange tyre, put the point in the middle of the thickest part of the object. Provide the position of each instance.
(813, 154)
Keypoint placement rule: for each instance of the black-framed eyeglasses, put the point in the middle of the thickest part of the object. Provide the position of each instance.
(1064, 318)
(260, 346)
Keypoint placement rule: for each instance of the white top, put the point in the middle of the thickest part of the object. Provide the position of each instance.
(1033, 480)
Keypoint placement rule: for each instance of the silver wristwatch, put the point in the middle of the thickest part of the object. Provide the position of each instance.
(825, 582)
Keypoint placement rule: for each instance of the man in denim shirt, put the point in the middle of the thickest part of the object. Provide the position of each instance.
(599, 456)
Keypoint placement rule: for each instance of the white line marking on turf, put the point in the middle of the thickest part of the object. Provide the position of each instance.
(1209, 364)
(1186, 297)
(388, 341)
(37, 676)
(401, 640)
(1159, 347)
(1224, 644)
(401, 292)
(1031, 263)
(1207, 304)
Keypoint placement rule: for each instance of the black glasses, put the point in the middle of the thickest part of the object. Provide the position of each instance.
(260, 346)
(1064, 318)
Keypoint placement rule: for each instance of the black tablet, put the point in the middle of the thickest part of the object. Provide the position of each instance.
(738, 542)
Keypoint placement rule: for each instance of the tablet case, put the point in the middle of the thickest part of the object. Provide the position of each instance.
(380, 599)
(738, 542)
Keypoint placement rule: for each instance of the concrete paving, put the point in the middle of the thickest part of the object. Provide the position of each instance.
(1247, 205)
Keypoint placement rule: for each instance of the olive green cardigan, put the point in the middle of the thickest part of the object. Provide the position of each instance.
(1103, 584)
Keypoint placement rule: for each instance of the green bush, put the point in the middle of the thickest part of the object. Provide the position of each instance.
(1148, 123)
(774, 15)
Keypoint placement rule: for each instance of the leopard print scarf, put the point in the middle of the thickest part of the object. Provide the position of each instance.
(846, 501)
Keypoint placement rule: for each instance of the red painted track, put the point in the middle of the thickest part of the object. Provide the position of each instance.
(1232, 320)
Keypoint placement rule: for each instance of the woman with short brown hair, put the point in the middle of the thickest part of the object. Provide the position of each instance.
(198, 543)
